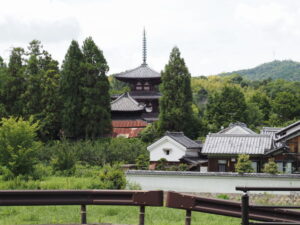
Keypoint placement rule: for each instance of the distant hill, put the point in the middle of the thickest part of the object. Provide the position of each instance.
(286, 69)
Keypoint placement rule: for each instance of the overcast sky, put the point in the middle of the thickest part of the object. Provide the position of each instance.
(213, 36)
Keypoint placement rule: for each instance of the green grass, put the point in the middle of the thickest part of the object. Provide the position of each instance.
(106, 214)
(96, 214)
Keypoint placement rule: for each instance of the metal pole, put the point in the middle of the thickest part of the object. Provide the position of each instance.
(83, 214)
(142, 215)
(188, 217)
(245, 209)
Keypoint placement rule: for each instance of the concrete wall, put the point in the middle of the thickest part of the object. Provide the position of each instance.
(207, 182)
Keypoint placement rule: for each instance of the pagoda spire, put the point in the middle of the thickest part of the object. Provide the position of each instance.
(144, 49)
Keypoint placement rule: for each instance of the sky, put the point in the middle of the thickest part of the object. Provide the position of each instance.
(214, 36)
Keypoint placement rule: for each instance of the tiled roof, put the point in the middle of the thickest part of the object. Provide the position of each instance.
(288, 132)
(142, 71)
(270, 131)
(237, 128)
(288, 127)
(183, 140)
(126, 103)
(128, 123)
(256, 144)
(126, 132)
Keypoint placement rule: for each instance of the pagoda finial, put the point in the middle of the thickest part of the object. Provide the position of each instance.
(144, 49)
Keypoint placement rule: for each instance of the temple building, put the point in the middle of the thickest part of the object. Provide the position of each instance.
(141, 103)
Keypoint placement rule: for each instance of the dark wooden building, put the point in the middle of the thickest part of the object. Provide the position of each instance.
(142, 102)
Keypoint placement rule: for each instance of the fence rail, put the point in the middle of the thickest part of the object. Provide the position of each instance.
(83, 198)
(290, 217)
(230, 208)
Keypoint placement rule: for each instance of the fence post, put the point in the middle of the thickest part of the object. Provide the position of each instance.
(245, 209)
(188, 217)
(142, 215)
(83, 214)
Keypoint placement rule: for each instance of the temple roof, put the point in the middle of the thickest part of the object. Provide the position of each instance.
(126, 103)
(141, 72)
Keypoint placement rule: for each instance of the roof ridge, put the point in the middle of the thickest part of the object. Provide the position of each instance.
(237, 135)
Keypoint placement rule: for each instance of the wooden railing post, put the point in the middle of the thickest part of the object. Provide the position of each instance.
(188, 217)
(83, 214)
(142, 215)
(245, 209)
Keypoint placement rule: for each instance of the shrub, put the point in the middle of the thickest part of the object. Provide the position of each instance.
(271, 167)
(112, 177)
(183, 167)
(161, 164)
(64, 159)
(142, 162)
(125, 150)
(243, 164)
(18, 145)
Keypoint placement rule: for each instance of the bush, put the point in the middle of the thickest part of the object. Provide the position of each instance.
(243, 164)
(183, 167)
(161, 164)
(142, 162)
(271, 167)
(64, 159)
(112, 177)
(125, 150)
(18, 145)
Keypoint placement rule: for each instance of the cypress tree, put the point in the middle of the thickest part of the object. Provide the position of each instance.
(96, 103)
(71, 93)
(176, 101)
(14, 86)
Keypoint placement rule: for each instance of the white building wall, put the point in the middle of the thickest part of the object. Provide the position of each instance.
(159, 151)
(207, 182)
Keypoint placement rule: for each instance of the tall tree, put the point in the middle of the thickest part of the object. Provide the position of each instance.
(96, 103)
(176, 102)
(41, 95)
(225, 107)
(15, 83)
(71, 93)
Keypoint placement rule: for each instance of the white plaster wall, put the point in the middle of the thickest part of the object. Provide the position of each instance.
(158, 152)
(212, 184)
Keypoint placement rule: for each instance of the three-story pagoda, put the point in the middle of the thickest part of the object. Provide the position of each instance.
(142, 102)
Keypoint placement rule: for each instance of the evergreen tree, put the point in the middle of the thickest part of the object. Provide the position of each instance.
(71, 93)
(271, 167)
(96, 104)
(14, 86)
(176, 101)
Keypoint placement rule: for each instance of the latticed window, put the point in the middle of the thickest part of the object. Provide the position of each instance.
(146, 86)
(138, 86)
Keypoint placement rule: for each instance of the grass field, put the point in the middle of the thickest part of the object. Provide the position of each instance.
(96, 214)
(106, 214)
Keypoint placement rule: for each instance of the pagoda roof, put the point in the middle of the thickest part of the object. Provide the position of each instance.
(126, 103)
(141, 72)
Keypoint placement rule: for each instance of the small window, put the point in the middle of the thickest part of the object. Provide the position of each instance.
(138, 86)
(167, 151)
(146, 86)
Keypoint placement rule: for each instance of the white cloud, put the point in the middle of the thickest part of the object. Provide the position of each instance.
(213, 35)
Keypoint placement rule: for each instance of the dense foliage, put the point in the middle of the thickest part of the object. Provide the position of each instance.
(176, 102)
(286, 69)
(18, 146)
